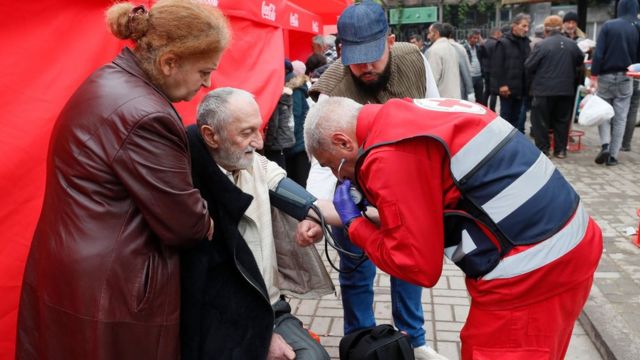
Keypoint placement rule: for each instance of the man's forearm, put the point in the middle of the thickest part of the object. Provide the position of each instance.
(331, 215)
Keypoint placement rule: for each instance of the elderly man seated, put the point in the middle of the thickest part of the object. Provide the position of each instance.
(233, 286)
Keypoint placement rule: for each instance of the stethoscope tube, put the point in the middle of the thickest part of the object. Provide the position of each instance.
(331, 242)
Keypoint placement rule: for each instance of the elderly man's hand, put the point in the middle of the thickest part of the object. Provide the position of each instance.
(279, 349)
(504, 91)
(308, 233)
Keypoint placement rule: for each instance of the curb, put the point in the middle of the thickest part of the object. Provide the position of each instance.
(607, 329)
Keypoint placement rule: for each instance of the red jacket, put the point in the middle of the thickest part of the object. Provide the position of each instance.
(413, 147)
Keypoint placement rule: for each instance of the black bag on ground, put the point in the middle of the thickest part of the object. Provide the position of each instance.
(382, 342)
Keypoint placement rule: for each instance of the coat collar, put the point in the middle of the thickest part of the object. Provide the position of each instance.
(216, 188)
(128, 62)
(363, 124)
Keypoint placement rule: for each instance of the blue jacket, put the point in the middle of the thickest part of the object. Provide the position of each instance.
(617, 45)
(300, 108)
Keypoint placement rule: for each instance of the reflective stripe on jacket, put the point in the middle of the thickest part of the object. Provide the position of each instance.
(512, 195)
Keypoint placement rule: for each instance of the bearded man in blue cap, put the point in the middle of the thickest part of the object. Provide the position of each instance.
(373, 69)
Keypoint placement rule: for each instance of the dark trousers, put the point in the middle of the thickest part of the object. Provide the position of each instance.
(632, 115)
(298, 166)
(277, 156)
(477, 89)
(510, 109)
(551, 112)
(488, 99)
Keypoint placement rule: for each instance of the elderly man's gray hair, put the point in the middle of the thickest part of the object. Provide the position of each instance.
(213, 110)
(329, 115)
(318, 40)
(520, 17)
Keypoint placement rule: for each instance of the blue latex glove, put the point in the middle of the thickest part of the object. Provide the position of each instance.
(345, 206)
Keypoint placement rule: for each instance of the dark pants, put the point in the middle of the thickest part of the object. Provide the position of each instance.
(632, 116)
(477, 89)
(551, 112)
(510, 109)
(357, 296)
(488, 99)
(277, 156)
(290, 328)
(298, 166)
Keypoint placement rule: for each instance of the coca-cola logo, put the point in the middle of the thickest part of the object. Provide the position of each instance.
(293, 20)
(268, 11)
(315, 27)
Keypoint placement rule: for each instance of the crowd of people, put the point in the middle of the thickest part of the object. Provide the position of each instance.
(161, 242)
(541, 74)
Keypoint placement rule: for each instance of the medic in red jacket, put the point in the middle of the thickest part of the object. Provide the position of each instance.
(451, 177)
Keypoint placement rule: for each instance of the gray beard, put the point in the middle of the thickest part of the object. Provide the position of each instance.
(232, 160)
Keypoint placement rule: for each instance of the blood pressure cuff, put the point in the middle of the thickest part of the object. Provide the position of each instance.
(292, 199)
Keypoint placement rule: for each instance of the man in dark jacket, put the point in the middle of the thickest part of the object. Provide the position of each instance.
(232, 287)
(616, 49)
(570, 27)
(507, 73)
(553, 66)
(486, 55)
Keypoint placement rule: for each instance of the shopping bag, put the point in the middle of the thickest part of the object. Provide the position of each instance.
(595, 111)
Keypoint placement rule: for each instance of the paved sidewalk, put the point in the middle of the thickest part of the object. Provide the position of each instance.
(612, 314)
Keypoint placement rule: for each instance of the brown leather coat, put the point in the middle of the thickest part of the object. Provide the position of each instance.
(102, 277)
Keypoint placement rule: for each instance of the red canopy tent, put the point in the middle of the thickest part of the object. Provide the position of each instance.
(328, 10)
(255, 59)
(51, 46)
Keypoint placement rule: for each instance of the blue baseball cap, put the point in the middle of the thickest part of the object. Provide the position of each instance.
(363, 30)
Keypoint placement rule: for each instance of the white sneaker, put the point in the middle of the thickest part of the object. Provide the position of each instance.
(426, 352)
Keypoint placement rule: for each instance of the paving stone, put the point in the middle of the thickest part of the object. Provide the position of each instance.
(443, 312)
(460, 312)
(320, 325)
(451, 350)
(450, 326)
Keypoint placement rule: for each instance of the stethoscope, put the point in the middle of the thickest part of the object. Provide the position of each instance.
(358, 198)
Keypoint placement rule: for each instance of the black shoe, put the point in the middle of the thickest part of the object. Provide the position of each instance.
(603, 155)
(611, 161)
(625, 148)
(560, 154)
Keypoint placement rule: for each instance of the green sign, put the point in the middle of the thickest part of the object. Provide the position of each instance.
(415, 15)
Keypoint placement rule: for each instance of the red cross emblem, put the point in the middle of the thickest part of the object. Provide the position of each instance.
(451, 105)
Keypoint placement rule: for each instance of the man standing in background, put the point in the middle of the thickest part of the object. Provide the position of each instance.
(507, 72)
(489, 99)
(473, 53)
(553, 66)
(570, 27)
(441, 56)
(616, 49)
(466, 84)
(418, 41)
(373, 69)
